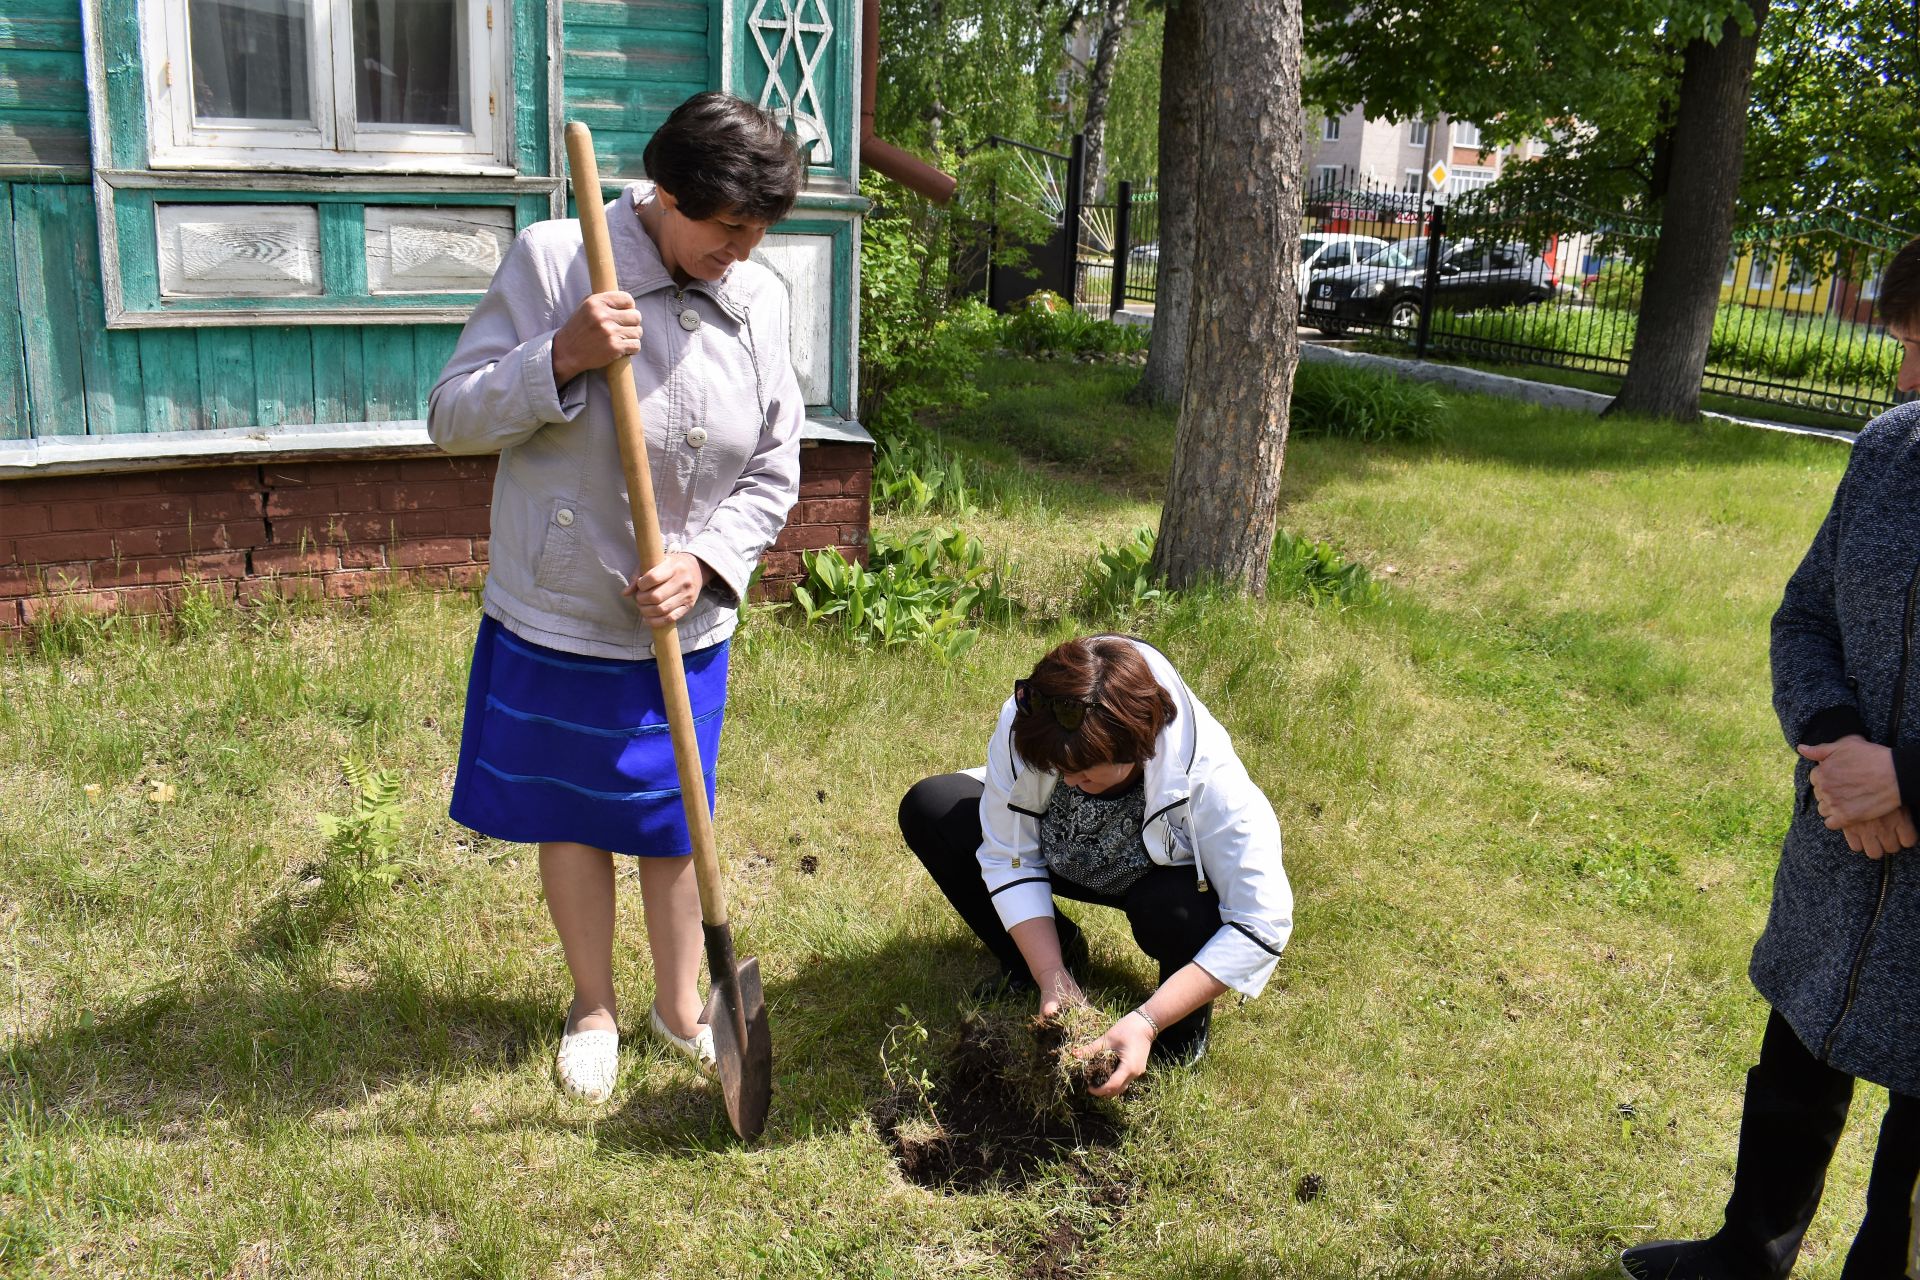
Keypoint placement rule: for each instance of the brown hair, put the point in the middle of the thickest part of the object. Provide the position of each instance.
(1125, 707)
(717, 154)
(1900, 289)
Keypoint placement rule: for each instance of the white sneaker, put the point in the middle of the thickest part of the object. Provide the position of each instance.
(698, 1047)
(588, 1064)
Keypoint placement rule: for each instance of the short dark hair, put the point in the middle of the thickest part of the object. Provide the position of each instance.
(1125, 707)
(1900, 289)
(717, 154)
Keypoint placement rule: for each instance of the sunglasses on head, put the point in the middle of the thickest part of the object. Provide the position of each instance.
(1068, 713)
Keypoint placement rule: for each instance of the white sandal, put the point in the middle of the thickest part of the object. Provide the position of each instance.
(698, 1047)
(588, 1064)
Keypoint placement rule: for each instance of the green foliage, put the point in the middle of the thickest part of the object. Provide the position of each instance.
(927, 589)
(1754, 341)
(362, 844)
(915, 475)
(906, 1059)
(1045, 324)
(198, 611)
(1119, 581)
(1303, 569)
(919, 348)
(1618, 286)
(1334, 400)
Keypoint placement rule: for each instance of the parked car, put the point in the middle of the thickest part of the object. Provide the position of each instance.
(1322, 252)
(1386, 289)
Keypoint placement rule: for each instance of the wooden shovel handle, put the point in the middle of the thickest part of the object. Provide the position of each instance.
(646, 531)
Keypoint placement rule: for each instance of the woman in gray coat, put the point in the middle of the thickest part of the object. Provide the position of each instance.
(1840, 959)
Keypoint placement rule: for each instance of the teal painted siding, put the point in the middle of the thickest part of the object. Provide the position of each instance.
(628, 63)
(62, 373)
(43, 89)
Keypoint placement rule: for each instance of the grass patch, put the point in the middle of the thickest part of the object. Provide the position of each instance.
(1532, 799)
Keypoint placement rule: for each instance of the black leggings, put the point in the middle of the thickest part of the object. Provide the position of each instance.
(1171, 916)
(1795, 1109)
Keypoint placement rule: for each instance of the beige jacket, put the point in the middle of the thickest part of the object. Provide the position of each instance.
(723, 414)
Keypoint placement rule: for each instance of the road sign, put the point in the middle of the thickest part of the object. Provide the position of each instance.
(1438, 175)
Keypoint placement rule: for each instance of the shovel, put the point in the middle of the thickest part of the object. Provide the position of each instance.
(737, 1008)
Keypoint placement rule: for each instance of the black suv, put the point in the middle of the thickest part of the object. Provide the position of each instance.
(1386, 289)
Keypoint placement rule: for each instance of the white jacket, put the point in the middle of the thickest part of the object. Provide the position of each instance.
(1202, 810)
(723, 413)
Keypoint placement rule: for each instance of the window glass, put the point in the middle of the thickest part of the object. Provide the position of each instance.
(1310, 245)
(250, 59)
(408, 65)
(1506, 257)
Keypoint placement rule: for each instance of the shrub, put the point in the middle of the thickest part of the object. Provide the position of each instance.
(1046, 324)
(913, 473)
(918, 347)
(1119, 581)
(361, 845)
(1329, 400)
(1302, 569)
(925, 589)
(1618, 286)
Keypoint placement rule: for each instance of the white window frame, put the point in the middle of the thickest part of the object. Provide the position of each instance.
(1326, 177)
(1416, 133)
(1758, 283)
(1415, 183)
(1467, 134)
(336, 143)
(1330, 128)
(1463, 179)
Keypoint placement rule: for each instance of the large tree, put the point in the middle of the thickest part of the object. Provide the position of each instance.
(1223, 493)
(1705, 148)
(1183, 76)
(1648, 90)
(1111, 37)
(1638, 99)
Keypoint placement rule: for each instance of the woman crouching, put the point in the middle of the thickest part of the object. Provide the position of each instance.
(1107, 782)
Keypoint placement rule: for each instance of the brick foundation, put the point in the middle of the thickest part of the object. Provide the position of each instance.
(339, 530)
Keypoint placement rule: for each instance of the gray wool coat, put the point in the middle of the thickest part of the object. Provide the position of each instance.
(1840, 958)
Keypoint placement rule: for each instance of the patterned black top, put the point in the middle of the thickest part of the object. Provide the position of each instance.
(1094, 841)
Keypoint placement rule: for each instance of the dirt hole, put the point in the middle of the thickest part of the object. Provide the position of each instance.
(1001, 1104)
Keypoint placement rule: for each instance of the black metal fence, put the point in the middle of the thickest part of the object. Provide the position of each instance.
(1510, 280)
(1499, 278)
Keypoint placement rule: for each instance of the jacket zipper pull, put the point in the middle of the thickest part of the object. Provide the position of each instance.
(1016, 862)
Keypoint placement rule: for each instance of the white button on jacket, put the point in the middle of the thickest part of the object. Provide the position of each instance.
(558, 582)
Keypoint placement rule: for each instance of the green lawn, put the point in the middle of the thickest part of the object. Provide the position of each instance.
(1531, 804)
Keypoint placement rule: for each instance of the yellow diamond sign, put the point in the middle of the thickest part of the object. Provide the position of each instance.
(1438, 174)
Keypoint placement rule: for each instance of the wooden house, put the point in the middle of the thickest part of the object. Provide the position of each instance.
(238, 239)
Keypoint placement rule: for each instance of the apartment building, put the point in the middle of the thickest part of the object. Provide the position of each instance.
(1398, 153)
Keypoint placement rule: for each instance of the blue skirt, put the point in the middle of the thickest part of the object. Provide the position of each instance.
(559, 746)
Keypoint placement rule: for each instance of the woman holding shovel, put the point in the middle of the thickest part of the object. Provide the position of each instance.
(565, 743)
(1108, 782)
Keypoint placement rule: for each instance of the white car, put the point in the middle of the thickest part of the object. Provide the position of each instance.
(1330, 251)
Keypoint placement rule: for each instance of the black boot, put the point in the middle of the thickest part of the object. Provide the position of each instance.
(1796, 1106)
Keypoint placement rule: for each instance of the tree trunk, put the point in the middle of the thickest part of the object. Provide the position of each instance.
(1113, 33)
(1183, 68)
(1696, 226)
(1223, 494)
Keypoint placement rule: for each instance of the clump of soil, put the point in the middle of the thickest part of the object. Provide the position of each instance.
(1007, 1102)
(808, 864)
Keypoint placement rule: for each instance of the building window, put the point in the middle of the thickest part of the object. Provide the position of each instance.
(1464, 179)
(1733, 266)
(389, 85)
(1415, 181)
(1802, 277)
(1330, 129)
(1760, 275)
(1326, 177)
(1417, 133)
(1466, 135)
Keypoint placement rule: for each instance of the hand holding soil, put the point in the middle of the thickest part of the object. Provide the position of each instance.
(1116, 1058)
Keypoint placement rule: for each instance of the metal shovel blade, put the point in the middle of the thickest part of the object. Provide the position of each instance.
(737, 1012)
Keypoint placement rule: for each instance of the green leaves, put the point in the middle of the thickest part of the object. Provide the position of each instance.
(924, 590)
(361, 844)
